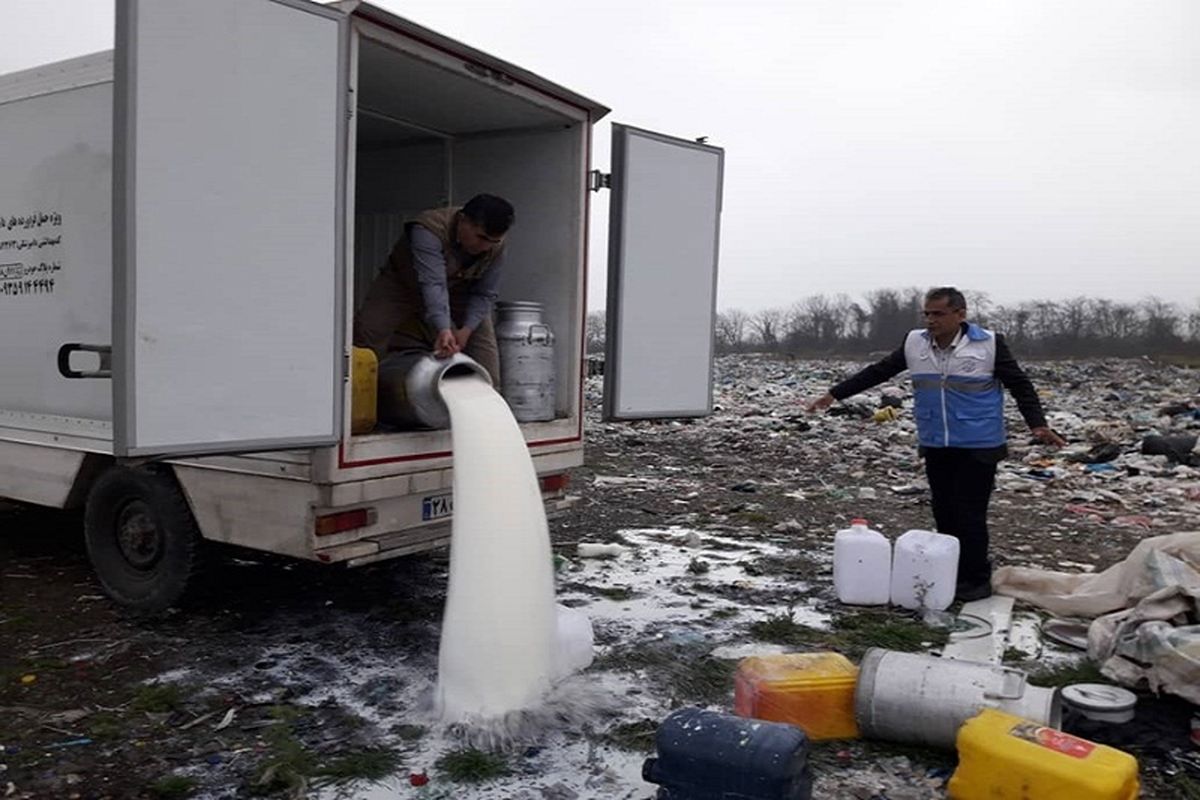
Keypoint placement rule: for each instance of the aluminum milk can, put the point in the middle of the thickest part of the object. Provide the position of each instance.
(410, 387)
(526, 346)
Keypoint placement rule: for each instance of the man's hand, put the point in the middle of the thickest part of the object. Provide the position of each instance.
(1047, 436)
(446, 344)
(461, 335)
(821, 403)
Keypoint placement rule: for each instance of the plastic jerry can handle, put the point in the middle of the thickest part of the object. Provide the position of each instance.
(1011, 688)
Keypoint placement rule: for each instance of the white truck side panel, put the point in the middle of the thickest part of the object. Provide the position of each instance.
(231, 118)
(55, 247)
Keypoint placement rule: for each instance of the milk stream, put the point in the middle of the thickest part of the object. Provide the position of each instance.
(498, 631)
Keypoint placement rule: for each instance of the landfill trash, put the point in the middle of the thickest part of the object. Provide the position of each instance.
(886, 414)
(80, 742)
(1178, 449)
(1002, 755)
(1101, 453)
(708, 755)
(418, 778)
(981, 630)
(598, 550)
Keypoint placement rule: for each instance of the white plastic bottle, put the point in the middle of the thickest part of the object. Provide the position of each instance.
(924, 570)
(862, 565)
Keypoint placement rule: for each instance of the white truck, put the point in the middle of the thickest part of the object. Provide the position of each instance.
(188, 221)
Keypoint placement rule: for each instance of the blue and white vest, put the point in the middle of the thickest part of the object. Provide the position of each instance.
(958, 401)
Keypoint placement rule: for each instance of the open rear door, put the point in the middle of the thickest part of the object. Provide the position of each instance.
(229, 135)
(664, 229)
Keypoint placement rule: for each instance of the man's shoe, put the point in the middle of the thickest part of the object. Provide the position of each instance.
(966, 592)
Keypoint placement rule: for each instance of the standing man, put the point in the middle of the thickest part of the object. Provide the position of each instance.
(439, 284)
(956, 369)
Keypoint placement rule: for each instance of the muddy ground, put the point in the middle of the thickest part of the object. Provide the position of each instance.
(284, 679)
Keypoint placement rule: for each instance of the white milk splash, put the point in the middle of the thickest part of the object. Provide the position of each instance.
(498, 645)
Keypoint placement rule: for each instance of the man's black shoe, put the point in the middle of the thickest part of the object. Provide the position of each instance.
(966, 592)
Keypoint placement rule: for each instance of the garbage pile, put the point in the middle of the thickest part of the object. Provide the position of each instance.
(1131, 467)
(1131, 471)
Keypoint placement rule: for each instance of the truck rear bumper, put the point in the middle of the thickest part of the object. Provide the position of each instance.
(382, 546)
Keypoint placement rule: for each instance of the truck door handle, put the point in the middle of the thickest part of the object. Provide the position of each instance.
(64, 360)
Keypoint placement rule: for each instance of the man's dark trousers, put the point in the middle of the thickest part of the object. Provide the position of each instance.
(961, 482)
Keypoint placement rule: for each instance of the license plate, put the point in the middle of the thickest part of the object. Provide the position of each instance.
(437, 506)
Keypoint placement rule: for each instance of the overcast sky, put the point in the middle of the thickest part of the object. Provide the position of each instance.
(1025, 148)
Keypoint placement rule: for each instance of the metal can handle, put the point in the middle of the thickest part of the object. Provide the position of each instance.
(545, 328)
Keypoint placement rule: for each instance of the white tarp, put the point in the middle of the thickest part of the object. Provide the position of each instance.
(1141, 607)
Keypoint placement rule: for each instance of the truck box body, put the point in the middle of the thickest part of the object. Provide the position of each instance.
(188, 223)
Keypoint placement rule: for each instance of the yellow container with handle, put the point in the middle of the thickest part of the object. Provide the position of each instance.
(1003, 757)
(813, 691)
(364, 389)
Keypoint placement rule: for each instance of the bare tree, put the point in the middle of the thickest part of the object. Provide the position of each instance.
(731, 329)
(1162, 322)
(594, 337)
(766, 326)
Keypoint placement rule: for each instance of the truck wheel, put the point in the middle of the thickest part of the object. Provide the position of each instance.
(141, 537)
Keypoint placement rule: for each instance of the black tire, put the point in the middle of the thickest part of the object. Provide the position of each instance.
(141, 537)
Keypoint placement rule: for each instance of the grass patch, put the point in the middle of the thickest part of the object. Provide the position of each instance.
(697, 566)
(754, 517)
(172, 786)
(158, 698)
(779, 565)
(1014, 654)
(637, 736)
(472, 766)
(105, 726)
(410, 733)
(689, 676)
(1188, 789)
(724, 613)
(372, 765)
(287, 767)
(615, 592)
(1081, 672)
(852, 634)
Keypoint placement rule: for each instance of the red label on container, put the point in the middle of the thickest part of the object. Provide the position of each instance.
(1051, 739)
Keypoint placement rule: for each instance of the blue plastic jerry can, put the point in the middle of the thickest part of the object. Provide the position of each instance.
(707, 755)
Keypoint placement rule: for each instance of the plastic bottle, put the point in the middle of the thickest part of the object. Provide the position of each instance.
(924, 570)
(862, 565)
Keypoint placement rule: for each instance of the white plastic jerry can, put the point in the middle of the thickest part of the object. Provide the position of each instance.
(862, 565)
(924, 570)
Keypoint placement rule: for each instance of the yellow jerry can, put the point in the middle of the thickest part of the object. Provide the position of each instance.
(813, 691)
(364, 389)
(1002, 757)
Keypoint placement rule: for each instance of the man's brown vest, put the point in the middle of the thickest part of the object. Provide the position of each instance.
(394, 303)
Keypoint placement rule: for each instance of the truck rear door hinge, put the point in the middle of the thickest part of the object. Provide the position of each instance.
(598, 180)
